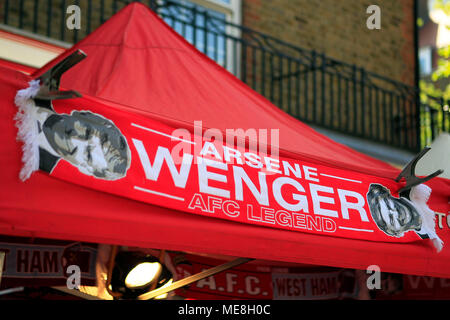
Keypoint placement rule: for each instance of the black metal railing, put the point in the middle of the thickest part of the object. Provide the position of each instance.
(307, 84)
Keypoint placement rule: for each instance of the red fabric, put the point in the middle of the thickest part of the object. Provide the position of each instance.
(51, 208)
(320, 212)
(137, 60)
(256, 281)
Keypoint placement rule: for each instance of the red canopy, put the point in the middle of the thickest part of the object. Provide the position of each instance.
(137, 60)
(137, 64)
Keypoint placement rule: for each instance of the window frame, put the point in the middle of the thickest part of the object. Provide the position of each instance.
(426, 53)
(233, 14)
(232, 11)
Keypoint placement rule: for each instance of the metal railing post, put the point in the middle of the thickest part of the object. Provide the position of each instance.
(355, 98)
(35, 16)
(323, 68)
(363, 101)
(6, 12)
(49, 17)
(314, 84)
(418, 121)
(63, 25)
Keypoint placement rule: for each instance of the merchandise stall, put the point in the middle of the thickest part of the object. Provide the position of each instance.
(135, 139)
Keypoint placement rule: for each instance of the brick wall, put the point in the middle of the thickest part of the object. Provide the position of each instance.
(338, 29)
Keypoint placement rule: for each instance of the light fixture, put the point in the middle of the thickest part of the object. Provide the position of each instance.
(142, 275)
(136, 273)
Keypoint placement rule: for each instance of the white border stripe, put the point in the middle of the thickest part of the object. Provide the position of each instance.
(158, 193)
(330, 176)
(161, 133)
(354, 229)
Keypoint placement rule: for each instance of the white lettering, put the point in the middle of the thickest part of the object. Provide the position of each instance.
(253, 160)
(287, 167)
(231, 281)
(373, 21)
(310, 172)
(229, 153)
(240, 175)
(74, 280)
(210, 149)
(74, 20)
(317, 200)
(272, 164)
(302, 201)
(374, 280)
(250, 286)
(204, 176)
(162, 154)
(345, 206)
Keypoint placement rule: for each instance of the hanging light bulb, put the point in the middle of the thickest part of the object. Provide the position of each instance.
(143, 274)
(135, 273)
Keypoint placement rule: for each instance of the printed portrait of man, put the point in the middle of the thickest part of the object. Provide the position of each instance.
(86, 140)
(394, 216)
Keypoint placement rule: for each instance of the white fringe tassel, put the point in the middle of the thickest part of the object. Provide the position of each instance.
(28, 130)
(420, 195)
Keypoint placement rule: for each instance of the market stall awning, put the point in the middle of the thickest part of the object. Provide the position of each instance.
(126, 164)
(137, 60)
